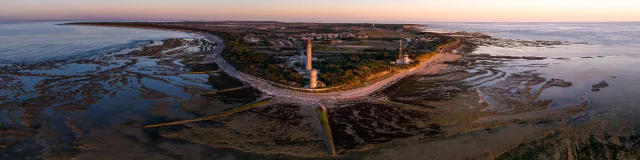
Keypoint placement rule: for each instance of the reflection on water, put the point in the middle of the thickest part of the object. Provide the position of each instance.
(95, 107)
(610, 54)
(35, 41)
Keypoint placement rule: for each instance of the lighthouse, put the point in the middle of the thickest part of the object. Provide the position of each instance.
(309, 56)
(313, 78)
(310, 72)
(402, 57)
(401, 54)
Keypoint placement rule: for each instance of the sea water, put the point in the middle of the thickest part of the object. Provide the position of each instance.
(32, 41)
(596, 52)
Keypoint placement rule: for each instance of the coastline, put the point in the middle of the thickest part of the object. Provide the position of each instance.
(432, 65)
(459, 101)
(271, 90)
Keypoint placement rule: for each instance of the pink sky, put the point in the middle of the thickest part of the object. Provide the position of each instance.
(326, 10)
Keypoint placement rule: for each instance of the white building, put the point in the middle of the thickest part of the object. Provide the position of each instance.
(403, 59)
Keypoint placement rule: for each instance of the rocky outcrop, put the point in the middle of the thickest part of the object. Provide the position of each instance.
(600, 85)
(558, 83)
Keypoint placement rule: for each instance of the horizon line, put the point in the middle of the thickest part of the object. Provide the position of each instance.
(337, 21)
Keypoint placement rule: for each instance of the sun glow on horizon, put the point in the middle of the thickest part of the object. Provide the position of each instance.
(328, 10)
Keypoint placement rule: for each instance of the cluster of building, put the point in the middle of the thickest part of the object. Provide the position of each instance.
(252, 39)
(415, 39)
(281, 42)
(321, 36)
(271, 27)
(273, 42)
(355, 28)
(290, 39)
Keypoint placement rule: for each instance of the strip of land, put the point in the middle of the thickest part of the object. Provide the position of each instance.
(258, 69)
(269, 89)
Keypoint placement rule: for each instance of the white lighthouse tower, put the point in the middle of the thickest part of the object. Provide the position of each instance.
(402, 57)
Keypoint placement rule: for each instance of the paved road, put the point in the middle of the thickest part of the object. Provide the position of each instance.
(305, 96)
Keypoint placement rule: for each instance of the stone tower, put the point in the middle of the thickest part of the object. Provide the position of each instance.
(313, 81)
(309, 56)
(400, 55)
(405, 59)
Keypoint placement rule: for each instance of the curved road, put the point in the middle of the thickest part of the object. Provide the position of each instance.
(306, 96)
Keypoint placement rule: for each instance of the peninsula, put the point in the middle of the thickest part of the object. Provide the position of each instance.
(347, 60)
(284, 90)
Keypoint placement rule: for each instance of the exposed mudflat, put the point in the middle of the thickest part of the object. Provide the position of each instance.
(483, 105)
(91, 108)
(271, 129)
(361, 125)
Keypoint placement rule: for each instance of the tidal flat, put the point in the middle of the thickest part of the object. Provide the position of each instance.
(487, 105)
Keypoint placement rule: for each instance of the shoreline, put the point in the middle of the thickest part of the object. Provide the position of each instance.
(355, 93)
(489, 106)
(432, 97)
(432, 65)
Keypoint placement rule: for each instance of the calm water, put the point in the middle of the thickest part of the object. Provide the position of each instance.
(117, 97)
(614, 49)
(37, 41)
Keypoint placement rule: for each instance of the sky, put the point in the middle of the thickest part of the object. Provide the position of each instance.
(326, 10)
